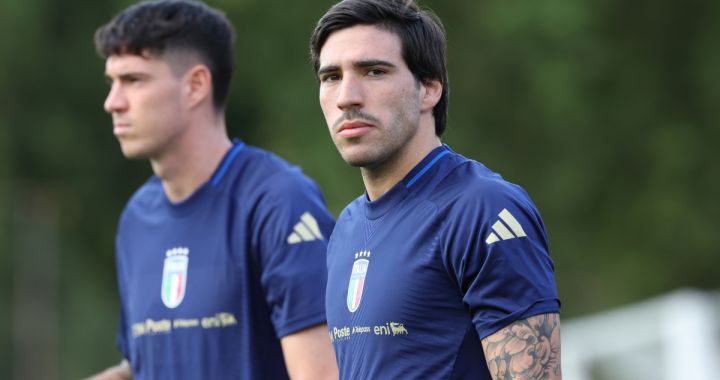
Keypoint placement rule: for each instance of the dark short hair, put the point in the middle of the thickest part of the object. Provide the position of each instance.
(162, 26)
(421, 34)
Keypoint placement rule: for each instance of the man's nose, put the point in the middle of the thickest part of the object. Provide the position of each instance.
(115, 100)
(350, 94)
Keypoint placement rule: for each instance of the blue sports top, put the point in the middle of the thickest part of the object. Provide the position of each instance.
(417, 278)
(208, 286)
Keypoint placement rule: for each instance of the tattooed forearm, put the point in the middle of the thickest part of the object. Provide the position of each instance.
(527, 349)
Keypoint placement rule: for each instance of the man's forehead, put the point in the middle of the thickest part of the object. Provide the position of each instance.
(128, 61)
(176, 60)
(360, 42)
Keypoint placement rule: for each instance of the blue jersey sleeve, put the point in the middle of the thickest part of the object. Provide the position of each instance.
(121, 340)
(291, 228)
(495, 248)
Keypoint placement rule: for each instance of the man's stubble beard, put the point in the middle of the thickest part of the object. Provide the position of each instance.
(389, 147)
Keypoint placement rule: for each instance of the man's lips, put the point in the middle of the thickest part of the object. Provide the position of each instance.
(120, 128)
(353, 129)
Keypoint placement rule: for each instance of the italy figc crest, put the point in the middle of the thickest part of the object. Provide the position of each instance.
(174, 276)
(357, 280)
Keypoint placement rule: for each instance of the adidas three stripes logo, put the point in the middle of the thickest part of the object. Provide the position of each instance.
(506, 228)
(306, 229)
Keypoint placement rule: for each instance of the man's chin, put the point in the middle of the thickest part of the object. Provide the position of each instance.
(354, 159)
(359, 159)
(132, 153)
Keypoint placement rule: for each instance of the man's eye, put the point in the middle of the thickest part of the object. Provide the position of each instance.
(375, 72)
(329, 78)
(130, 79)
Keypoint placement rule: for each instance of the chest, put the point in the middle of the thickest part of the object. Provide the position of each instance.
(188, 267)
(387, 276)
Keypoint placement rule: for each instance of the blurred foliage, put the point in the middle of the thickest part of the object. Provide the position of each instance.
(604, 111)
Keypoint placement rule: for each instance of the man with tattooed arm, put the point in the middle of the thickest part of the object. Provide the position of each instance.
(441, 261)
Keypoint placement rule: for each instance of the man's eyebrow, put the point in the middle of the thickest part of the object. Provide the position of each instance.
(327, 69)
(128, 74)
(359, 64)
(373, 62)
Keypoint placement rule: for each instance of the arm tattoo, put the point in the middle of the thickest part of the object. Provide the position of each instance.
(526, 349)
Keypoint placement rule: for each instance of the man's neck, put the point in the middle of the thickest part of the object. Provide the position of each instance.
(380, 179)
(192, 161)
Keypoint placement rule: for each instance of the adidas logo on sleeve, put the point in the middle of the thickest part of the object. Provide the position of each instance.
(306, 229)
(506, 228)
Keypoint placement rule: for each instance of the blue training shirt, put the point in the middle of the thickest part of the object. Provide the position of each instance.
(417, 278)
(209, 286)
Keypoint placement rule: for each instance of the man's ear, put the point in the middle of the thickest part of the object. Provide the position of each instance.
(198, 85)
(430, 94)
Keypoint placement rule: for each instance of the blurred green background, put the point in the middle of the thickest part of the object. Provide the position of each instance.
(606, 112)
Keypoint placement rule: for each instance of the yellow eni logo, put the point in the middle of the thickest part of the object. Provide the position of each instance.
(391, 328)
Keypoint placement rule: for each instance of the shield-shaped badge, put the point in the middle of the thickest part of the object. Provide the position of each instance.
(174, 277)
(357, 283)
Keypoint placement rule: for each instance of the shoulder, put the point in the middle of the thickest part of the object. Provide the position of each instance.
(353, 210)
(477, 201)
(146, 203)
(276, 194)
(265, 173)
(148, 193)
(145, 198)
(348, 221)
(471, 184)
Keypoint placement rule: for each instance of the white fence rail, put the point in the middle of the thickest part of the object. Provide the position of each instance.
(672, 337)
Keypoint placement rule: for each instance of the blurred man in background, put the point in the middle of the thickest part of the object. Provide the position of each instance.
(221, 254)
(441, 262)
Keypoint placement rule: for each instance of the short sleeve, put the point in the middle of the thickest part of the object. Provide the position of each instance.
(496, 248)
(290, 230)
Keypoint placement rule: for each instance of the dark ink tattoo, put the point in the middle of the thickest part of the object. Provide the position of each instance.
(527, 349)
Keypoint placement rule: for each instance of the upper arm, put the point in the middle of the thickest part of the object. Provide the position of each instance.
(525, 349)
(495, 250)
(309, 354)
(290, 230)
